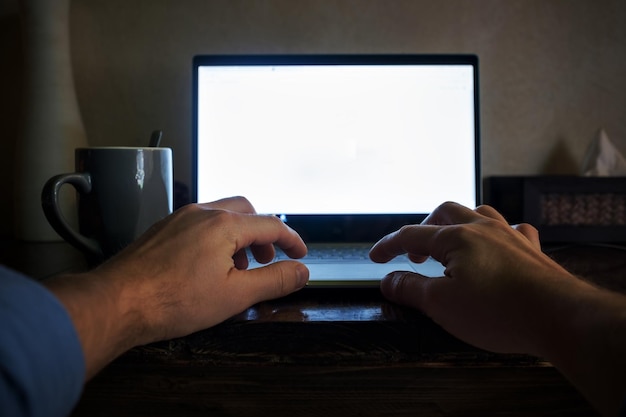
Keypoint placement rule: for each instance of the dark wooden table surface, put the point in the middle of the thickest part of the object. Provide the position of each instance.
(326, 353)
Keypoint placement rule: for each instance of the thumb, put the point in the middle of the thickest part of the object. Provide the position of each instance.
(276, 280)
(406, 288)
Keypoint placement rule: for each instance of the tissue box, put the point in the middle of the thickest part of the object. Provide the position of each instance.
(563, 208)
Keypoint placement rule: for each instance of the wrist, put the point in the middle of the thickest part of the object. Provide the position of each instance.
(584, 337)
(560, 314)
(105, 322)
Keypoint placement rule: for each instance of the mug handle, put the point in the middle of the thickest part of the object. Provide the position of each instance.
(50, 204)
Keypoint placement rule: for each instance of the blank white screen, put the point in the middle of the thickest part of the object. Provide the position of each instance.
(338, 139)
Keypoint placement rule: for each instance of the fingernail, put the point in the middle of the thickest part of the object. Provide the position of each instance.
(302, 275)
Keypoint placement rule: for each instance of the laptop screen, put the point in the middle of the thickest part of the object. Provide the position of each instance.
(336, 137)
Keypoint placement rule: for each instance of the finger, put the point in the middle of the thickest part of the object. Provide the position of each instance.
(241, 259)
(529, 233)
(274, 280)
(414, 240)
(266, 230)
(450, 213)
(264, 253)
(490, 212)
(412, 290)
(238, 204)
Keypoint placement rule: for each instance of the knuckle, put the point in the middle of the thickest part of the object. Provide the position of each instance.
(401, 283)
(443, 210)
(274, 219)
(281, 284)
(404, 231)
(463, 233)
(273, 222)
(242, 199)
(447, 206)
(484, 207)
(527, 228)
(189, 208)
(406, 289)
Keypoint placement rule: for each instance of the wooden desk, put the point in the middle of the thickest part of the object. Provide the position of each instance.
(344, 353)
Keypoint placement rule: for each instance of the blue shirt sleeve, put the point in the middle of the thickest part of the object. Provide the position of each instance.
(42, 368)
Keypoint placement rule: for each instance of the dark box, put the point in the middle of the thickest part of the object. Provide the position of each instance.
(563, 208)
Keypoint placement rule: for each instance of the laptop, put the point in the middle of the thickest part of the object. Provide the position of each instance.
(343, 148)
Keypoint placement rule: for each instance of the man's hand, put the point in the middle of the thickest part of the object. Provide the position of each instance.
(490, 273)
(187, 273)
(501, 293)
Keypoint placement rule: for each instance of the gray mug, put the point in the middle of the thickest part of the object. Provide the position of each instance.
(121, 191)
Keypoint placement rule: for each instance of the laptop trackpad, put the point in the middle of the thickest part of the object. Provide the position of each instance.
(369, 270)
